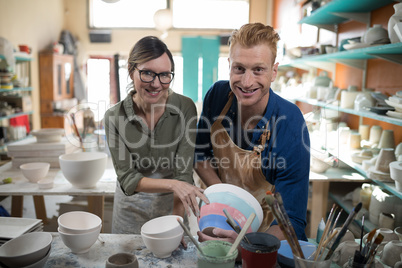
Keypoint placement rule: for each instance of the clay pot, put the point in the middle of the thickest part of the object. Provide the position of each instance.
(387, 139)
(385, 157)
(375, 33)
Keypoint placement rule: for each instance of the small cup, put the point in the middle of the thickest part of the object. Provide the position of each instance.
(308, 263)
(387, 220)
(122, 260)
(354, 140)
(215, 254)
(262, 252)
(364, 131)
(387, 139)
(375, 134)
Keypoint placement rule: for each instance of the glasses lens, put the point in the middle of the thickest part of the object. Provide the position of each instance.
(165, 78)
(147, 76)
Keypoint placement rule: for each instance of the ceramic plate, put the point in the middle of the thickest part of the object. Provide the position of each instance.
(12, 227)
(394, 114)
(380, 110)
(398, 107)
(357, 45)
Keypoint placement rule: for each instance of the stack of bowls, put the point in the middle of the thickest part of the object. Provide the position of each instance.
(162, 235)
(27, 250)
(238, 202)
(79, 230)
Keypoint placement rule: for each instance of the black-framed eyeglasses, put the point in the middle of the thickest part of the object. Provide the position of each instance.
(149, 76)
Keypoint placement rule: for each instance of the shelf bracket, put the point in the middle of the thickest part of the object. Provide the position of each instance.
(359, 64)
(363, 17)
(395, 58)
(329, 27)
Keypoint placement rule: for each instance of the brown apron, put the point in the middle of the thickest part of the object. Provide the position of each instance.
(242, 167)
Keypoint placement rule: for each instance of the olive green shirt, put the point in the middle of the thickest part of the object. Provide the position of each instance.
(165, 152)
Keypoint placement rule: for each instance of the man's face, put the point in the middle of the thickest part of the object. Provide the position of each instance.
(251, 74)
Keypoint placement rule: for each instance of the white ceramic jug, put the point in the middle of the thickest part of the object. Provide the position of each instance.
(397, 17)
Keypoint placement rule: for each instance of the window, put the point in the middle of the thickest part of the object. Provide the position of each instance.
(187, 14)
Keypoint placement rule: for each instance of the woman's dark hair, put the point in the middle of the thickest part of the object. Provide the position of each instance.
(146, 49)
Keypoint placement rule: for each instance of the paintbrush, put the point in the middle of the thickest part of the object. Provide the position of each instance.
(233, 224)
(287, 230)
(187, 231)
(324, 234)
(374, 247)
(368, 241)
(342, 233)
(361, 234)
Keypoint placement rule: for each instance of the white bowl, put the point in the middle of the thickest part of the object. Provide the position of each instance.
(79, 243)
(78, 222)
(25, 249)
(41, 263)
(35, 171)
(45, 183)
(163, 227)
(48, 134)
(162, 247)
(83, 169)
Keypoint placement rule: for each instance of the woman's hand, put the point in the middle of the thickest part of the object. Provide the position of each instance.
(188, 195)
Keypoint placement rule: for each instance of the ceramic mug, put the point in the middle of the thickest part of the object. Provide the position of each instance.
(344, 251)
(391, 253)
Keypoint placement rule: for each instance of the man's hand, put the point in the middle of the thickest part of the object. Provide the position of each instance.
(221, 234)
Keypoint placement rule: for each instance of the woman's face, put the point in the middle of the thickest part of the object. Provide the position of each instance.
(152, 92)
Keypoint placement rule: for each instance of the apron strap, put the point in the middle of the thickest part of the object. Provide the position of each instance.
(266, 135)
(227, 106)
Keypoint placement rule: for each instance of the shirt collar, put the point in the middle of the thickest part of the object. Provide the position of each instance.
(172, 107)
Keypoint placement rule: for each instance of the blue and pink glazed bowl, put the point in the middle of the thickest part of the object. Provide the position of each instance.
(237, 201)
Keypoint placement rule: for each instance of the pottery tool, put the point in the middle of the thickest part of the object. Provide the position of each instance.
(276, 205)
(187, 231)
(233, 224)
(74, 125)
(342, 233)
(241, 234)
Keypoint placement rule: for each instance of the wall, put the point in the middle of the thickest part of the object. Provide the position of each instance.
(29, 22)
(38, 23)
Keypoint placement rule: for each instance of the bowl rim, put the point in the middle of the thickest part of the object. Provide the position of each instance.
(79, 212)
(80, 234)
(163, 238)
(38, 165)
(101, 156)
(157, 219)
(27, 236)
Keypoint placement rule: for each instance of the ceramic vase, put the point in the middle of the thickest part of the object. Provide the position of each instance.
(397, 17)
(375, 33)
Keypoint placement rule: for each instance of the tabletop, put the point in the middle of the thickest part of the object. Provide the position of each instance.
(21, 186)
(61, 256)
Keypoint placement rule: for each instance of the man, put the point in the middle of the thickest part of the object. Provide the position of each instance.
(250, 137)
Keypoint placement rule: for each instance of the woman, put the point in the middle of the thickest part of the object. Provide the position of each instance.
(151, 139)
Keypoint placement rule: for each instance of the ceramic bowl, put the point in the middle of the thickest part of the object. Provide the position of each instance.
(83, 169)
(163, 227)
(45, 183)
(25, 249)
(41, 263)
(238, 202)
(79, 243)
(122, 260)
(35, 171)
(285, 254)
(162, 247)
(398, 231)
(78, 222)
(48, 134)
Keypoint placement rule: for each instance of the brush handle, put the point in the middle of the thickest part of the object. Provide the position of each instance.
(242, 234)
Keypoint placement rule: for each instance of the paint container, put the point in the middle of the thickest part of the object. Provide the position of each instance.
(262, 252)
(310, 263)
(215, 252)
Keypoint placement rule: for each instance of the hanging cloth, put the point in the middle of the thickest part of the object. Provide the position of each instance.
(242, 167)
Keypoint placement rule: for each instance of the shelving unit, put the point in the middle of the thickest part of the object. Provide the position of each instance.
(328, 17)
(20, 58)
